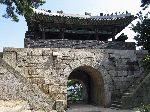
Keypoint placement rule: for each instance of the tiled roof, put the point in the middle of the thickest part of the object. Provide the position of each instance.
(59, 18)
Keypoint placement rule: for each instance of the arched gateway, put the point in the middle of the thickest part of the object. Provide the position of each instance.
(62, 47)
(93, 84)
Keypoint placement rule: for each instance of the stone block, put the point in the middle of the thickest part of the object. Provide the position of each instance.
(88, 61)
(113, 73)
(51, 73)
(44, 88)
(67, 70)
(122, 61)
(35, 52)
(75, 63)
(30, 64)
(122, 73)
(36, 80)
(114, 56)
(37, 59)
(57, 89)
(10, 58)
(32, 71)
(47, 52)
(60, 105)
(141, 53)
(121, 67)
(110, 67)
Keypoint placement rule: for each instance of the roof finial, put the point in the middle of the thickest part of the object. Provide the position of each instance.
(60, 12)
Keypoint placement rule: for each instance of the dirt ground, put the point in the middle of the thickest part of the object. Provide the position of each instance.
(91, 108)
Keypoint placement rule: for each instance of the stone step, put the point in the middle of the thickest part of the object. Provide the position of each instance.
(137, 83)
(116, 105)
(114, 108)
(129, 91)
(127, 94)
(116, 102)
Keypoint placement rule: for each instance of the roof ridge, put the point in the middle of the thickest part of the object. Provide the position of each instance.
(86, 16)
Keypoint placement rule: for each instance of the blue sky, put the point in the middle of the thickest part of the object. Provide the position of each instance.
(12, 34)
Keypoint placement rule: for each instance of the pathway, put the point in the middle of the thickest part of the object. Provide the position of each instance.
(91, 108)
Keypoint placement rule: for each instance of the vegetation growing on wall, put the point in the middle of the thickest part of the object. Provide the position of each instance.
(146, 62)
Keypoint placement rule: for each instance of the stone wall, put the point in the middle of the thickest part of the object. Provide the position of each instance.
(124, 67)
(49, 68)
(79, 44)
(140, 96)
(14, 86)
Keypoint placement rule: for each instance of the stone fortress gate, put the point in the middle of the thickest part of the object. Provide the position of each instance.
(63, 47)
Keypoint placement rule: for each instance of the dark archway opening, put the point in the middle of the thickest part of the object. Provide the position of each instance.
(81, 86)
(89, 84)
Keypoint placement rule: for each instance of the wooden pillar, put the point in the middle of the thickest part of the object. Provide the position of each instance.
(113, 38)
(61, 34)
(88, 37)
(114, 33)
(42, 29)
(43, 34)
(96, 35)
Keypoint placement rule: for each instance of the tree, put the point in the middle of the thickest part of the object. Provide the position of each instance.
(145, 3)
(122, 37)
(20, 7)
(142, 28)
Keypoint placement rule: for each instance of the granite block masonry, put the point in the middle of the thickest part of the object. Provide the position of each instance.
(48, 69)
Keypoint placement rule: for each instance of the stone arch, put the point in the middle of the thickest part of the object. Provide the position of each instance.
(97, 88)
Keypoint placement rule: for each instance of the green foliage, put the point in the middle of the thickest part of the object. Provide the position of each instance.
(142, 29)
(145, 3)
(74, 90)
(146, 62)
(144, 108)
(20, 7)
(122, 37)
